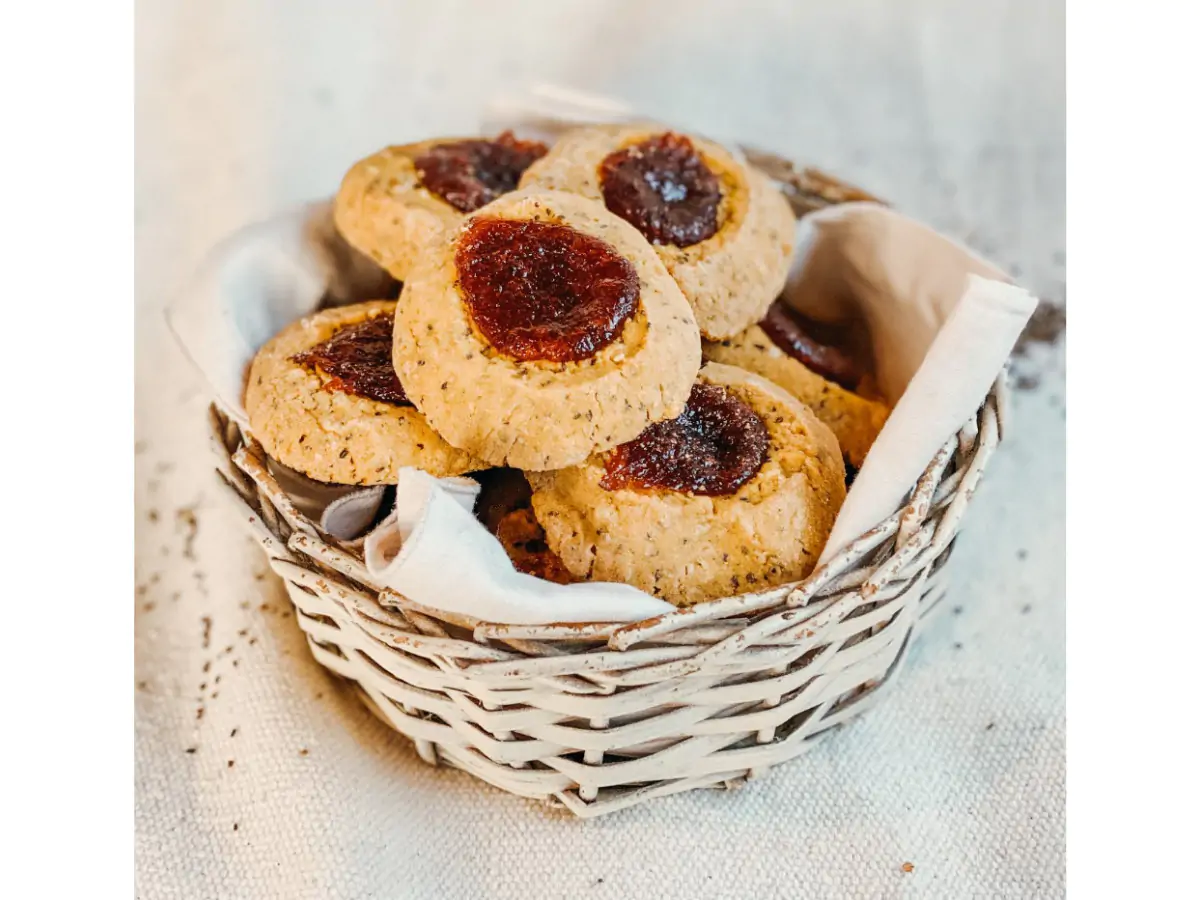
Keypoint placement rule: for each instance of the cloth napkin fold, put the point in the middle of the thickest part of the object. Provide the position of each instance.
(344, 511)
(432, 549)
(962, 362)
(942, 322)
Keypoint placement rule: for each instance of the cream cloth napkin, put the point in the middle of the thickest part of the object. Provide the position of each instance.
(942, 322)
(433, 547)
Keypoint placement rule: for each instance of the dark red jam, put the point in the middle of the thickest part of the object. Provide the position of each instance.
(540, 291)
(717, 445)
(358, 360)
(812, 343)
(664, 189)
(470, 174)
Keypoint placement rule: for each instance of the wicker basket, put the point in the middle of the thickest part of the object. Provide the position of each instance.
(602, 716)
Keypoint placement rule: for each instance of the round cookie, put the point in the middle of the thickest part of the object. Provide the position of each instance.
(395, 203)
(779, 354)
(323, 399)
(721, 227)
(543, 330)
(737, 494)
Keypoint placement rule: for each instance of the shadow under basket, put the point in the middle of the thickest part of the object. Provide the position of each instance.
(600, 717)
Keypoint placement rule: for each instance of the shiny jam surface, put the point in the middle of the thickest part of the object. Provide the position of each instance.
(812, 343)
(470, 174)
(538, 291)
(358, 360)
(664, 189)
(717, 445)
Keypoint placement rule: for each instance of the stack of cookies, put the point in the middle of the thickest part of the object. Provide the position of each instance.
(593, 331)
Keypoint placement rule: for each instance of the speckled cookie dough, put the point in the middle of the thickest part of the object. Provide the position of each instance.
(331, 435)
(688, 548)
(854, 420)
(537, 414)
(385, 211)
(729, 278)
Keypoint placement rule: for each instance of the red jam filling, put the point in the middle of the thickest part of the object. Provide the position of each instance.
(812, 343)
(544, 292)
(470, 174)
(358, 360)
(664, 189)
(716, 445)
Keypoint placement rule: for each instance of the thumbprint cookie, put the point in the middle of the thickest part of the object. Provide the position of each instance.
(809, 360)
(324, 399)
(722, 228)
(736, 494)
(543, 330)
(392, 204)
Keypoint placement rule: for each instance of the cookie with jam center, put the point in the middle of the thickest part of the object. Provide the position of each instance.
(394, 203)
(736, 494)
(544, 329)
(722, 228)
(323, 398)
(791, 351)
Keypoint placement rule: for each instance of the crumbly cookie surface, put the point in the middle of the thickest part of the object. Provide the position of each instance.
(729, 278)
(331, 435)
(383, 211)
(687, 548)
(854, 420)
(387, 210)
(537, 414)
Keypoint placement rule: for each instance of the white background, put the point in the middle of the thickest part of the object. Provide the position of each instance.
(954, 111)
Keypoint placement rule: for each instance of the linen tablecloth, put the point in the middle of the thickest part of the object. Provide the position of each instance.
(258, 776)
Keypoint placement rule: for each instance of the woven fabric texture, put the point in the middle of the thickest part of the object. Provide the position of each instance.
(293, 789)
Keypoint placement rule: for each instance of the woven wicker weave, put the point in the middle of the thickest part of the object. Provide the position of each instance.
(604, 716)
